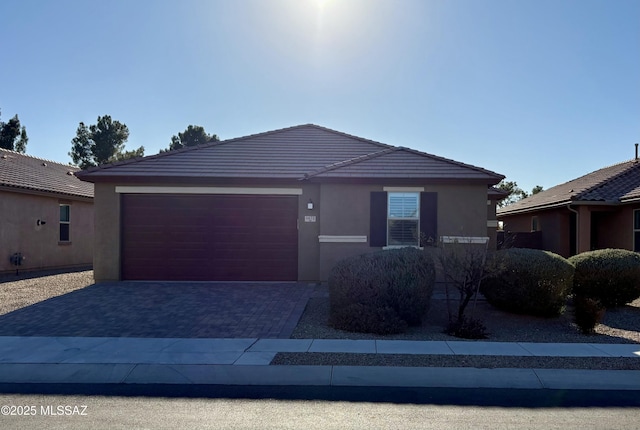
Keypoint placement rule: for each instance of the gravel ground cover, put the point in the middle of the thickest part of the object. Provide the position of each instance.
(23, 290)
(619, 326)
(478, 361)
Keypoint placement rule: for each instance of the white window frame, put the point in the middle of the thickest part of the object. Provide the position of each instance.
(535, 223)
(67, 222)
(415, 218)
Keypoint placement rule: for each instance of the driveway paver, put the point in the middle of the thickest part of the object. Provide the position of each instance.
(165, 310)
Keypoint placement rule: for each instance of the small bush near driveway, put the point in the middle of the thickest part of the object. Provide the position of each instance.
(528, 281)
(611, 276)
(382, 293)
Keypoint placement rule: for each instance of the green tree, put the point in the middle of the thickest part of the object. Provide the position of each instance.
(514, 193)
(101, 143)
(192, 136)
(536, 189)
(13, 136)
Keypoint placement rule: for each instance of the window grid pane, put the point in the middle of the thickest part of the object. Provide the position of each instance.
(403, 232)
(64, 232)
(403, 205)
(64, 213)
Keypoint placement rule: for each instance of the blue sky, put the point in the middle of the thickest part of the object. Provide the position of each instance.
(541, 91)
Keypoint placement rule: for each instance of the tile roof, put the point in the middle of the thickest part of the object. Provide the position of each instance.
(615, 184)
(299, 152)
(400, 162)
(30, 173)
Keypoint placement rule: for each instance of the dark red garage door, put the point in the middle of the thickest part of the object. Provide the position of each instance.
(209, 237)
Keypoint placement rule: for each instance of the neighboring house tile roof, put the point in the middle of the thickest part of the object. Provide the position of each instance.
(25, 172)
(615, 184)
(300, 152)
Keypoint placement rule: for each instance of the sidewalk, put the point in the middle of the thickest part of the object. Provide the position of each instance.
(246, 362)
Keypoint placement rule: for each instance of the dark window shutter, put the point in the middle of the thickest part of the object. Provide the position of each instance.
(429, 216)
(378, 219)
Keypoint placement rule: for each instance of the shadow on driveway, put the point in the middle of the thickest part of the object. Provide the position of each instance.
(165, 309)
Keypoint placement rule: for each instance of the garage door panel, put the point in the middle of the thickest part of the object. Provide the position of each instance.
(209, 237)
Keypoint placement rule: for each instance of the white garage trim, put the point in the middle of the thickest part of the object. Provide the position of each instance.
(341, 239)
(126, 189)
(403, 189)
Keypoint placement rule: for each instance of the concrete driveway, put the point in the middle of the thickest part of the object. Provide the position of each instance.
(165, 309)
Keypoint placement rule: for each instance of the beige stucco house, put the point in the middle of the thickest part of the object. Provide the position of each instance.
(283, 205)
(595, 211)
(46, 215)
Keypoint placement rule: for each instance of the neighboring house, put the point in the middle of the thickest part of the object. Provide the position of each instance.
(46, 214)
(283, 205)
(595, 211)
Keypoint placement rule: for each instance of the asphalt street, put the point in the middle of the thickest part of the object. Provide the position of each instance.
(431, 409)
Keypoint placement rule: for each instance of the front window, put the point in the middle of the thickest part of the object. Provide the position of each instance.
(65, 212)
(403, 228)
(535, 226)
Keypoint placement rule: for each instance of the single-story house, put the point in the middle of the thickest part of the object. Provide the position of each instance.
(46, 215)
(595, 211)
(283, 205)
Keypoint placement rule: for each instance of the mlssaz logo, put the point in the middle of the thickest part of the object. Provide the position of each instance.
(63, 410)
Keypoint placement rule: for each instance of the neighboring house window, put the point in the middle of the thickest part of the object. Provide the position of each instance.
(65, 211)
(403, 219)
(535, 226)
(636, 230)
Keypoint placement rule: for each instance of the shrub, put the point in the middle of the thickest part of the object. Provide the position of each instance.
(588, 313)
(382, 293)
(528, 281)
(611, 276)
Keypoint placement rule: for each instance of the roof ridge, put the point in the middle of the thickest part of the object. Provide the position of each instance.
(71, 166)
(227, 141)
(352, 136)
(449, 160)
(351, 161)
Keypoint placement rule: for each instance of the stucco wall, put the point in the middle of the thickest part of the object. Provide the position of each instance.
(615, 228)
(554, 225)
(106, 258)
(40, 246)
(492, 224)
(612, 226)
(345, 211)
(339, 210)
(308, 231)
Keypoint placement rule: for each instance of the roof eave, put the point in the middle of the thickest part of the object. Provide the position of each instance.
(395, 180)
(44, 193)
(555, 206)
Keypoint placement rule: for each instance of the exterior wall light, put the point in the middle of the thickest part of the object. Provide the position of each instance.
(310, 205)
(40, 222)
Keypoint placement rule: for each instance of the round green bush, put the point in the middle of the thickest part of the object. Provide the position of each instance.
(383, 293)
(611, 276)
(528, 281)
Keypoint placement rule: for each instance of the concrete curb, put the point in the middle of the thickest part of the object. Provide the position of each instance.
(326, 376)
(85, 360)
